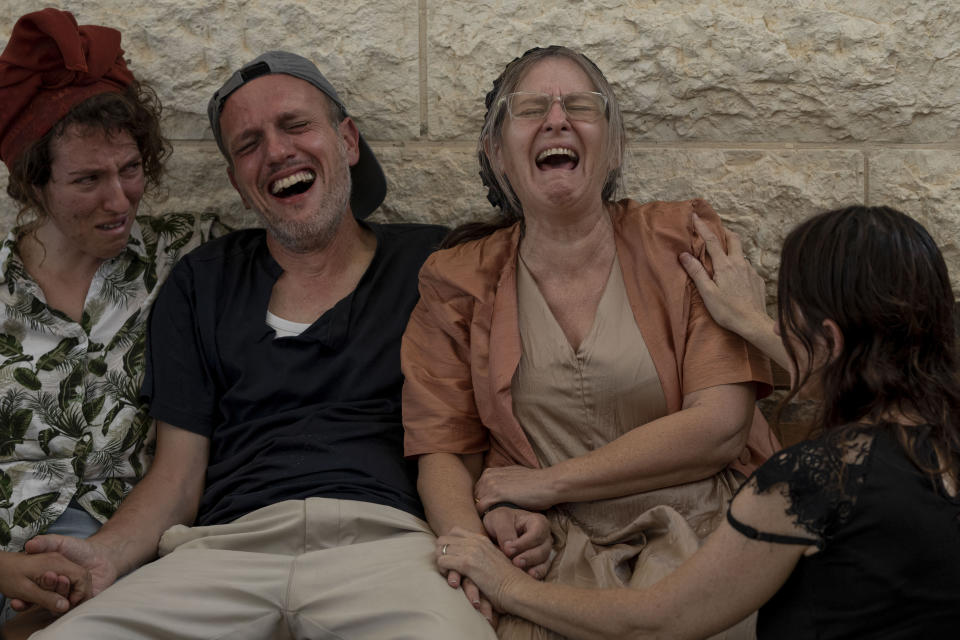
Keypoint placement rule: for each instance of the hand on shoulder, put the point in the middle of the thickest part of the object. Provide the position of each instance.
(735, 295)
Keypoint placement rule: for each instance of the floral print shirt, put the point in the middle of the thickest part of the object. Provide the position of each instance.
(72, 426)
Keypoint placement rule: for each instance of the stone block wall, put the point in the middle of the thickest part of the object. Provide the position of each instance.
(771, 109)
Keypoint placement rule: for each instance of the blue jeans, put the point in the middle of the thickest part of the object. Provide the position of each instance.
(76, 522)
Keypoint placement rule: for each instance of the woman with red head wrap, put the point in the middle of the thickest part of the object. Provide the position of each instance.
(81, 138)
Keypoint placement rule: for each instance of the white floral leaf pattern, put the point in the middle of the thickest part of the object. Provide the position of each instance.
(72, 426)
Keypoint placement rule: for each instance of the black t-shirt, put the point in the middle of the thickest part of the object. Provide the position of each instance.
(889, 560)
(315, 415)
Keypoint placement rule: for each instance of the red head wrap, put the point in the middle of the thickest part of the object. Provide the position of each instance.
(49, 66)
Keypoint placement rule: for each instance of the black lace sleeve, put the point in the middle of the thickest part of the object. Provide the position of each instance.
(821, 480)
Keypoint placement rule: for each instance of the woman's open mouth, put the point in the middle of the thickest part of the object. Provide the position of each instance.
(557, 158)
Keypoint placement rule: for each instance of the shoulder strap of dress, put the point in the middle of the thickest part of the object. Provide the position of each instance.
(753, 534)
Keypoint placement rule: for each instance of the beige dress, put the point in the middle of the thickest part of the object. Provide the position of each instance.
(570, 402)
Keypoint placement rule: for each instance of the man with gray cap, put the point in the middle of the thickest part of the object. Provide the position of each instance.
(273, 372)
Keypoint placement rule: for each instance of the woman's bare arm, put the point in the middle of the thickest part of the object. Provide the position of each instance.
(726, 580)
(698, 441)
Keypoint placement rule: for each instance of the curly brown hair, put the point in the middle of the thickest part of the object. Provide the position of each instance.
(880, 277)
(136, 111)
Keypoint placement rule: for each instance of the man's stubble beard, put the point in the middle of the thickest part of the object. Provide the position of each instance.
(316, 232)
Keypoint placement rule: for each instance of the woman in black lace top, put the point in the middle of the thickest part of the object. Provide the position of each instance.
(854, 534)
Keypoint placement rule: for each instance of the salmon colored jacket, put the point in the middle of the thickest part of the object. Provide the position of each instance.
(462, 344)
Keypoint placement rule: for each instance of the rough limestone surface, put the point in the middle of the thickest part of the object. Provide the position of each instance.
(770, 109)
(926, 185)
(197, 180)
(187, 48)
(764, 70)
(760, 193)
(436, 184)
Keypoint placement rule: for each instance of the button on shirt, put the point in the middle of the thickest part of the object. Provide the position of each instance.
(72, 426)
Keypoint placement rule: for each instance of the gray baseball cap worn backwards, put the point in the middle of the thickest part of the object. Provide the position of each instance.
(369, 184)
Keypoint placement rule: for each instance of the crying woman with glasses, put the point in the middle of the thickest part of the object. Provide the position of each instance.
(562, 373)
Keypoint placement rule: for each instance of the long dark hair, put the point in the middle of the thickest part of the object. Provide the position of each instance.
(878, 274)
(499, 192)
(137, 111)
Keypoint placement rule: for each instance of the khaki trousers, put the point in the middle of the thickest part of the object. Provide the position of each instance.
(315, 568)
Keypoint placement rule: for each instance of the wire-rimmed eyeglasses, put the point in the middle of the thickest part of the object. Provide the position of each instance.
(585, 106)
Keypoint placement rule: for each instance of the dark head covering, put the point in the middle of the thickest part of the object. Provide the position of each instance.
(49, 66)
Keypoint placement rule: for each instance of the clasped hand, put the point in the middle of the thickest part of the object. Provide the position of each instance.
(524, 487)
(519, 538)
(474, 555)
(79, 569)
(48, 580)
